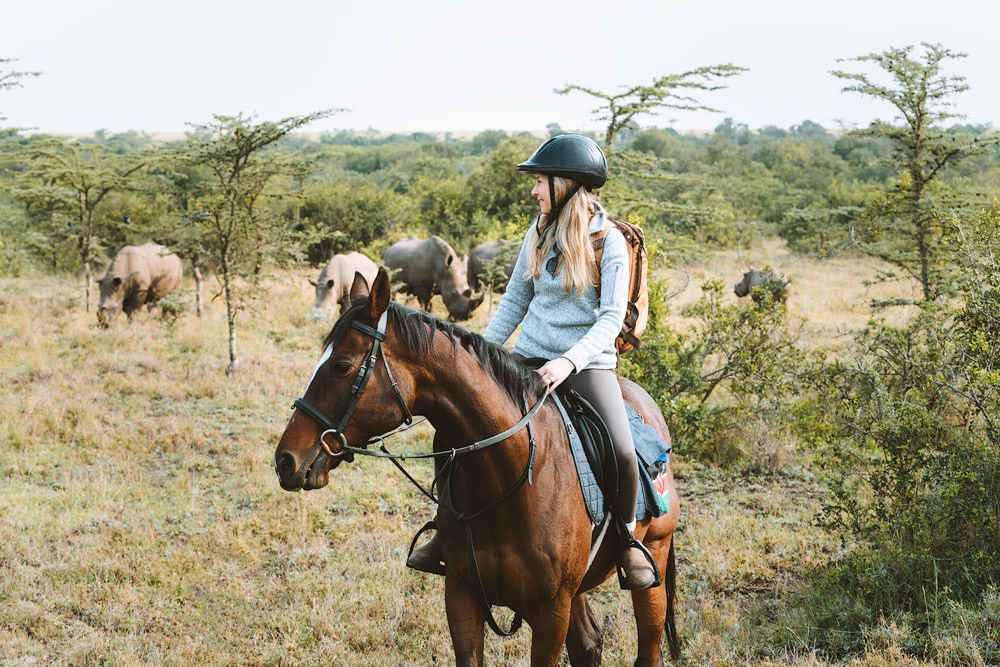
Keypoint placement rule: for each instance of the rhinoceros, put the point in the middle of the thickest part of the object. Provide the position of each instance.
(429, 267)
(137, 275)
(334, 284)
(488, 252)
(767, 279)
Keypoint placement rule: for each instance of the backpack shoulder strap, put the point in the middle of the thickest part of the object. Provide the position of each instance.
(597, 240)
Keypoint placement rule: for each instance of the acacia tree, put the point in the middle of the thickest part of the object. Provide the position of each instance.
(667, 92)
(915, 461)
(621, 110)
(11, 79)
(229, 214)
(908, 226)
(12, 225)
(70, 180)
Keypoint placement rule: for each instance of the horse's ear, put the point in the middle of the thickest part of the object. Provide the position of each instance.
(378, 299)
(359, 288)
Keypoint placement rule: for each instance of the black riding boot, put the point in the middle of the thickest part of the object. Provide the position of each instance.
(428, 558)
(635, 570)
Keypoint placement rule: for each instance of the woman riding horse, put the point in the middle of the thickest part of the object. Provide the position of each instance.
(553, 296)
(513, 525)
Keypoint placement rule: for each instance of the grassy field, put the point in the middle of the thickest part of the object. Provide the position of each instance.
(141, 521)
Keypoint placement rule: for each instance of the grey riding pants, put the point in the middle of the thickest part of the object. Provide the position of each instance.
(601, 389)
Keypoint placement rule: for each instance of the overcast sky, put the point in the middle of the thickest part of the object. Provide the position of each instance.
(429, 65)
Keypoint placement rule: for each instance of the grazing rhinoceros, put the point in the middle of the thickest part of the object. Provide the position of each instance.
(488, 252)
(334, 284)
(430, 267)
(767, 279)
(137, 275)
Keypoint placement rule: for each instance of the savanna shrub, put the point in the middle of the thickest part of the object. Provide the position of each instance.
(915, 475)
(174, 305)
(744, 348)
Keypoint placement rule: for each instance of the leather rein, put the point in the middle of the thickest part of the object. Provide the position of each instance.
(358, 387)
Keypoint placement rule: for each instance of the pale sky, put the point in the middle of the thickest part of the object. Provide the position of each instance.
(435, 66)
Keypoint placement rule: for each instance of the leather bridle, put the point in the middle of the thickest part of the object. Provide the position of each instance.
(358, 386)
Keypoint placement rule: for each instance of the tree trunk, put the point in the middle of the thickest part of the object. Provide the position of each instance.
(923, 242)
(89, 280)
(739, 234)
(230, 313)
(85, 255)
(925, 278)
(198, 282)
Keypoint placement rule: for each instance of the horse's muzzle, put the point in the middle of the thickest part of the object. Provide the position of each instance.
(295, 474)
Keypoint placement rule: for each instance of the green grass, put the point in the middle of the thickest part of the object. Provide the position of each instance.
(141, 521)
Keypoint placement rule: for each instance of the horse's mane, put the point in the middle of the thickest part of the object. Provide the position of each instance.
(418, 328)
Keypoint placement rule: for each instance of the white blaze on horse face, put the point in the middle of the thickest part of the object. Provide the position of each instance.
(326, 355)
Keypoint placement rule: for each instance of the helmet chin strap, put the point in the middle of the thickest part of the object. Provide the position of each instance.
(556, 209)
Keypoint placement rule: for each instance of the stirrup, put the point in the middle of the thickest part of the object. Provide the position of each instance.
(622, 578)
(429, 567)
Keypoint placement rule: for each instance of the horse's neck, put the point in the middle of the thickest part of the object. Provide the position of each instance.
(468, 405)
(465, 405)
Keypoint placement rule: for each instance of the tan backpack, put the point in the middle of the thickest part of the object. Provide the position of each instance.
(637, 310)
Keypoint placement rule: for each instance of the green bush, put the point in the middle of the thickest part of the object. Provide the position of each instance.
(914, 477)
(745, 350)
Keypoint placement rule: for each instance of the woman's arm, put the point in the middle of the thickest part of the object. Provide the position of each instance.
(514, 304)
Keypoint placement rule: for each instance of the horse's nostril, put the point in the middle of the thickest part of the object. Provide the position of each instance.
(284, 464)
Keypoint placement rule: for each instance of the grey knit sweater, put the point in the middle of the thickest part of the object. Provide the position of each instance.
(555, 323)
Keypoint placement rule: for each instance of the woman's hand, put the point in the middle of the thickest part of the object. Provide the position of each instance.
(554, 372)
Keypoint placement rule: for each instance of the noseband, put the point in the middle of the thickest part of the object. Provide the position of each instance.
(361, 379)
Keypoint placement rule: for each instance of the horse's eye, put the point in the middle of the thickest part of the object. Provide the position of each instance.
(340, 368)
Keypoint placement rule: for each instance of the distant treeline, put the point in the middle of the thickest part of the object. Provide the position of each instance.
(360, 191)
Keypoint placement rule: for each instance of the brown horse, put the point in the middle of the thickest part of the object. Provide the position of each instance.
(532, 548)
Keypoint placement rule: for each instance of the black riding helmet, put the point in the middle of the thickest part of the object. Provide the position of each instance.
(572, 156)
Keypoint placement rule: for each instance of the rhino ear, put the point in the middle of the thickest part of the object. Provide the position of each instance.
(359, 288)
(378, 299)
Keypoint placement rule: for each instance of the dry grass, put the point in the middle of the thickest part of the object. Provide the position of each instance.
(142, 522)
(829, 297)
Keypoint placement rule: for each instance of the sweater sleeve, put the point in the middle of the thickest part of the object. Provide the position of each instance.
(612, 306)
(514, 304)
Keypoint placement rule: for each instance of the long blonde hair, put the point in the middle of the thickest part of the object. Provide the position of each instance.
(571, 234)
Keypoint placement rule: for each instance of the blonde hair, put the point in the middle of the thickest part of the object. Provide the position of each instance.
(571, 234)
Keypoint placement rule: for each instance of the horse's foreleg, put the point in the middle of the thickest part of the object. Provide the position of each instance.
(465, 622)
(548, 632)
(584, 641)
